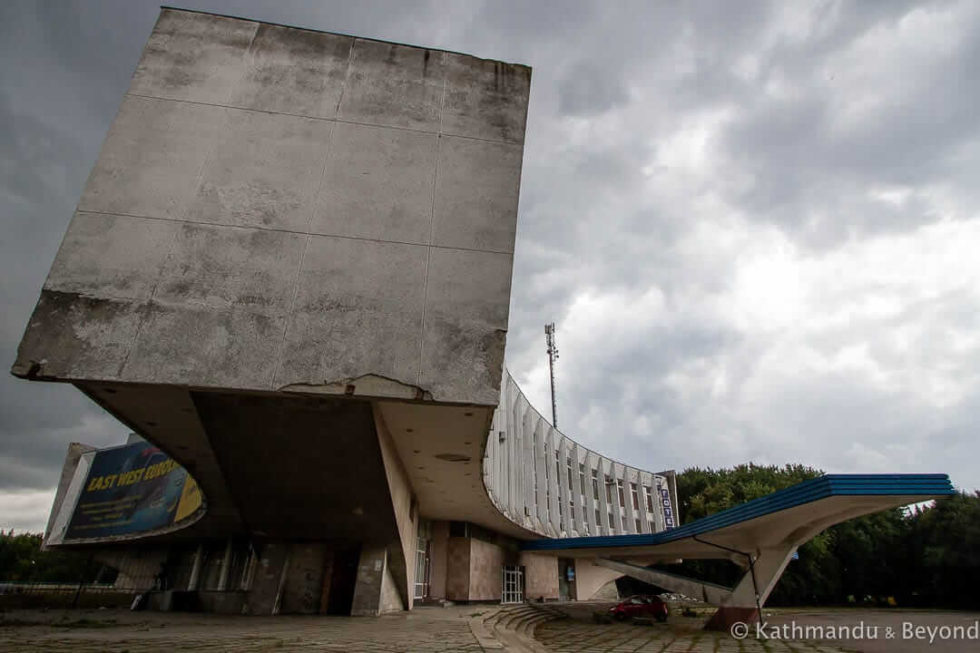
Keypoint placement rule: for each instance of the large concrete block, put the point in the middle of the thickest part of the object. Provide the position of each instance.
(349, 288)
(151, 158)
(309, 199)
(378, 184)
(476, 194)
(263, 171)
(466, 309)
(294, 71)
(485, 99)
(394, 85)
(226, 267)
(192, 56)
(112, 256)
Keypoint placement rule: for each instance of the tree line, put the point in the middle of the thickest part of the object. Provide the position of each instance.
(924, 556)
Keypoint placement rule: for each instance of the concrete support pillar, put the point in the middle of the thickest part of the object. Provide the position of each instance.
(374, 590)
(196, 568)
(225, 567)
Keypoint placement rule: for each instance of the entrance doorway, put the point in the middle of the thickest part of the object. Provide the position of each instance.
(342, 580)
(422, 564)
(566, 579)
(513, 584)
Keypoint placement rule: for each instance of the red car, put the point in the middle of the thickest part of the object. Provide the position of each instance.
(640, 606)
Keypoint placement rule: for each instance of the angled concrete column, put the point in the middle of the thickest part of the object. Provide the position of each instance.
(195, 576)
(374, 591)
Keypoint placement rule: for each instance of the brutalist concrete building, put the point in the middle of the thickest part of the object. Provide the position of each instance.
(289, 273)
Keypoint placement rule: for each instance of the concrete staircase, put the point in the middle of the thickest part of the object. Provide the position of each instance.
(511, 627)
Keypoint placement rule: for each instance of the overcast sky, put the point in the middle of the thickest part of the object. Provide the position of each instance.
(756, 225)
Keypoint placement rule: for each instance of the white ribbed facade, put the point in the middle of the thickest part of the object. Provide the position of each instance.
(548, 483)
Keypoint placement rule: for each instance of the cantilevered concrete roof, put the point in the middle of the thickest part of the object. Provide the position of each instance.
(795, 513)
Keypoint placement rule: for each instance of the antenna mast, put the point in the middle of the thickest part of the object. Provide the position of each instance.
(549, 334)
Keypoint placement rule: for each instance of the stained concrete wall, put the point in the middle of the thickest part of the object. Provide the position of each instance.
(486, 571)
(304, 581)
(540, 576)
(458, 569)
(438, 557)
(276, 208)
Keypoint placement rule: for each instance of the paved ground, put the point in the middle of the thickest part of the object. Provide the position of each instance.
(442, 630)
(579, 635)
(424, 630)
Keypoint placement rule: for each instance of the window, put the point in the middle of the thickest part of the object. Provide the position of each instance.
(568, 466)
(636, 499)
(638, 529)
(595, 487)
(608, 490)
(612, 524)
(581, 477)
(649, 497)
(622, 495)
(598, 517)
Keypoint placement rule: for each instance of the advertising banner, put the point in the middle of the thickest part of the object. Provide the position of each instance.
(131, 490)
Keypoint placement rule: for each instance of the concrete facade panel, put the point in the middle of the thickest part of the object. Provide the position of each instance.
(263, 171)
(540, 577)
(378, 184)
(204, 347)
(482, 98)
(223, 268)
(73, 336)
(466, 307)
(476, 194)
(196, 57)
(346, 289)
(114, 256)
(152, 157)
(294, 71)
(486, 564)
(394, 85)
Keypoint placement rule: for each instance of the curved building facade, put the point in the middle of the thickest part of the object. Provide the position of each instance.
(546, 482)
